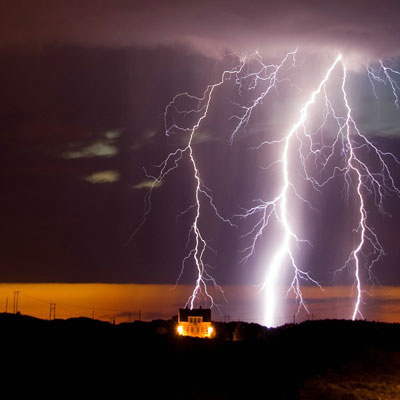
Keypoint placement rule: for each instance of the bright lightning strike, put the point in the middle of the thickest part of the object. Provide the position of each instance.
(185, 114)
(367, 182)
(350, 143)
(345, 153)
(282, 213)
(198, 112)
(279, 208)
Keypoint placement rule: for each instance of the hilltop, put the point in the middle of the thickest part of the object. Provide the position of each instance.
(329, 359)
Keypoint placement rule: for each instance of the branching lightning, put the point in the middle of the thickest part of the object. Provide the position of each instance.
(350, 143)
(279, 207)
(243, 77)
(384, 75)
(201, 192)
(318, 157)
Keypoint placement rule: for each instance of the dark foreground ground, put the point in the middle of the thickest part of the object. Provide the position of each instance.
(328, 359)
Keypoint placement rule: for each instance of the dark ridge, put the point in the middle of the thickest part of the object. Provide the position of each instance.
(245, 360)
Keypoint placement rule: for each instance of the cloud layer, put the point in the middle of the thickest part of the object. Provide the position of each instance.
(355, 26)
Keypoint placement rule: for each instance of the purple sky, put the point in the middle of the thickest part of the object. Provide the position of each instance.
(83, 92)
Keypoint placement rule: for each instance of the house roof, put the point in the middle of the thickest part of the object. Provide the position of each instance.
(184, 313)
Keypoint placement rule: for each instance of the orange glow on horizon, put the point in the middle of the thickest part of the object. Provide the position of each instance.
(107, 301)
(124, 301)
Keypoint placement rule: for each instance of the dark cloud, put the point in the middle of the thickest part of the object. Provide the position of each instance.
(356, 27)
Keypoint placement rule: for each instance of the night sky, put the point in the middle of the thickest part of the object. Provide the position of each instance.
(83, 89)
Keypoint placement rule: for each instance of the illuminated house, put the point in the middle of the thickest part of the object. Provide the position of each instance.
(195, 322)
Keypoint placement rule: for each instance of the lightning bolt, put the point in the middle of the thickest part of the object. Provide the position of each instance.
(197, 251)
(318, 156)
(197, 112)
(367, 182)
(350, 143)
(184, 115)
(384, 75)
(279, 208)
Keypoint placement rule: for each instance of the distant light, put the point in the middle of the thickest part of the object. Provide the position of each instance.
(180, 329)
(210, 330)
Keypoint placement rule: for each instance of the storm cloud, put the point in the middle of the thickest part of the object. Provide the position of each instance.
(355, 27)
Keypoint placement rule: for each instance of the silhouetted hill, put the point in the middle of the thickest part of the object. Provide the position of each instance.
(328, 359)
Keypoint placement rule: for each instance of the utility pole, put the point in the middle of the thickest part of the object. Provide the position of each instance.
(52, 311)
(93, 314)
(140, 315)
(6, 305)
(16, 295)
(130, 317)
